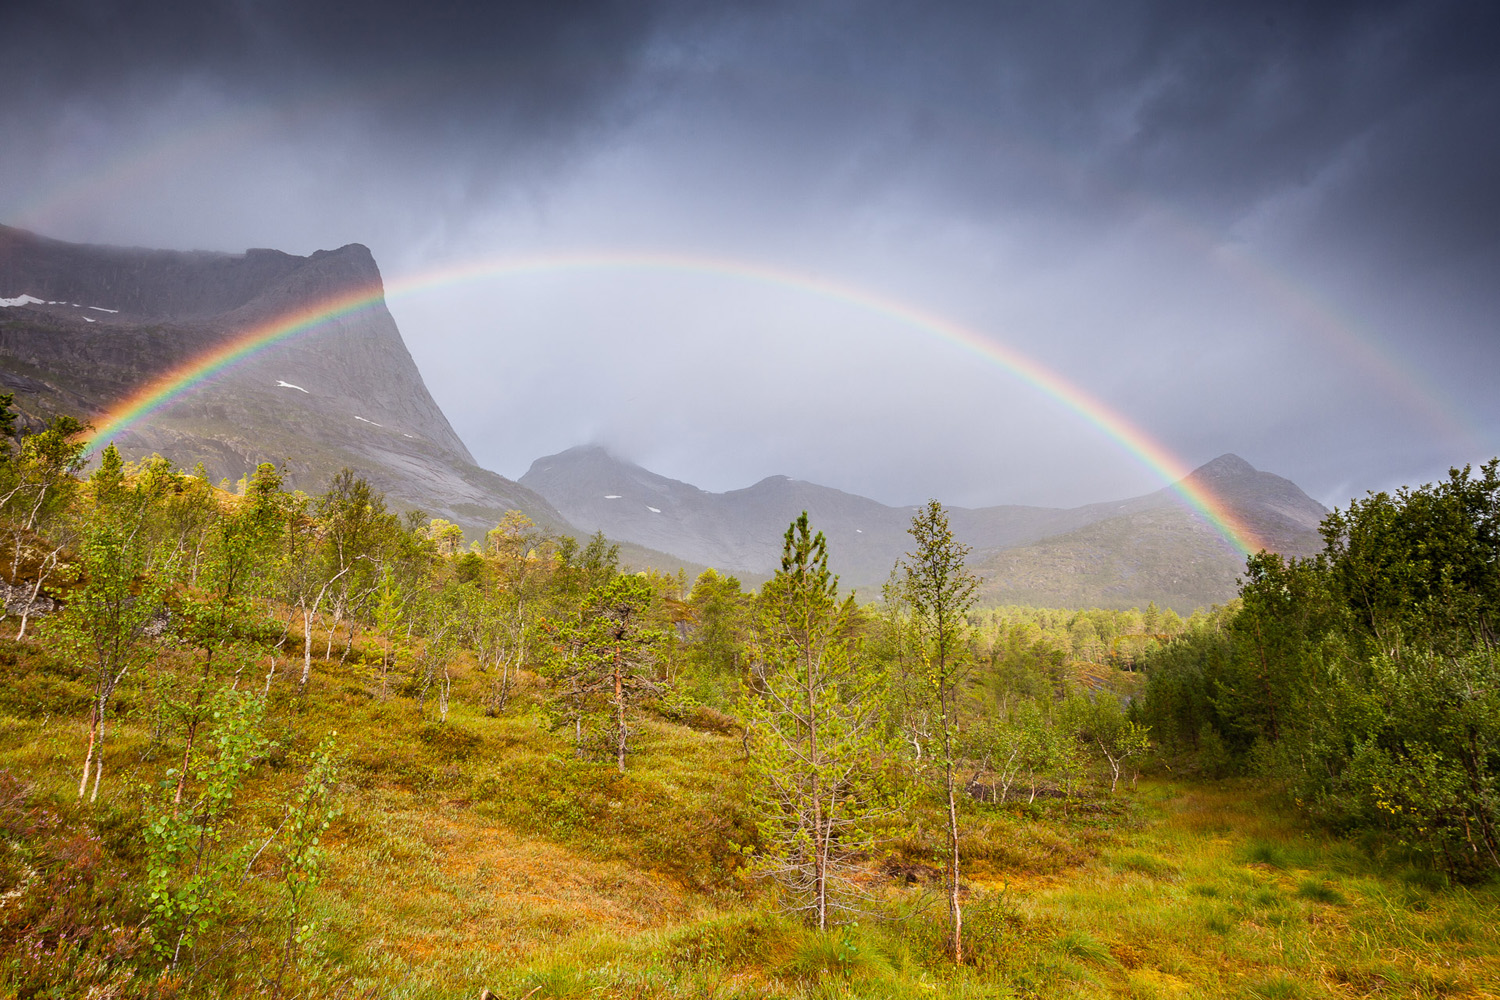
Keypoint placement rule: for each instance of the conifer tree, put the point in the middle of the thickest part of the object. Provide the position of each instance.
(610, 652)
(813, 731)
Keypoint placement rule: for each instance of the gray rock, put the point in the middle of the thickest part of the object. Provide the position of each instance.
(114, 320)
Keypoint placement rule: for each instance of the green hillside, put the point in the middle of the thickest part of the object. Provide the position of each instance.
(1165, 555)
(478, 853)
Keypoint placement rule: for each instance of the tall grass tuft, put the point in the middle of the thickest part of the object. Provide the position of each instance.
(843, 952)
(1081, 944)
(1319, 891)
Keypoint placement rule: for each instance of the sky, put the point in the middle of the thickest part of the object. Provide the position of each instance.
(988, 252)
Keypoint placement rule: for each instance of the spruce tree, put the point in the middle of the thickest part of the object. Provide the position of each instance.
(813, 731)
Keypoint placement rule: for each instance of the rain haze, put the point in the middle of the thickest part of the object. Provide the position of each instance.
(846, 242)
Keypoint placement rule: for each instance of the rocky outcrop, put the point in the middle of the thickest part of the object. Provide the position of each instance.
(141, 284)
(84, 328)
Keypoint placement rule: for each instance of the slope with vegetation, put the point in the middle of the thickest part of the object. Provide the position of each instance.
(265, 744)
(1365, 678)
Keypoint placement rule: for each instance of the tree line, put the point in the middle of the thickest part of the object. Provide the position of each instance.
(1365, 677)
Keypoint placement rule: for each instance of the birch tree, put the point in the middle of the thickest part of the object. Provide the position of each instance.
(106, 619)
(224, 610)
(522, 551)
(940, 591)
(36, 489)
(353, 522)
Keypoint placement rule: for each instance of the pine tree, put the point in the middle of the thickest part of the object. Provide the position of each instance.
(610, 649)
(813, 731)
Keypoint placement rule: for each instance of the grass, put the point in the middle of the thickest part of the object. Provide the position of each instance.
(480, 853)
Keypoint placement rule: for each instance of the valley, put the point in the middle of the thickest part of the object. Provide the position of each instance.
(298, 700)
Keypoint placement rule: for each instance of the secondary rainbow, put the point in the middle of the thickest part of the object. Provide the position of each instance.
(162, 391)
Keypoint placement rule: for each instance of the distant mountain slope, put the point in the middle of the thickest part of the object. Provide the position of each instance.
(1163, 554)
(1126, 552)
(736, 531)
(83, 327)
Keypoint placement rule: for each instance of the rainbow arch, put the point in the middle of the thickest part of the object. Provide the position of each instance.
(162, 391)
(1334, 323)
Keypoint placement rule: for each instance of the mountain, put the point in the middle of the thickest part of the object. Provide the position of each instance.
(1117, 554)
(739, 531)
(84, 327)
(1155, 547)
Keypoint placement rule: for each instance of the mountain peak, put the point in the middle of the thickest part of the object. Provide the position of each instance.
(1226, 466)
(1277, 512)
(345, 392)
(594, 457)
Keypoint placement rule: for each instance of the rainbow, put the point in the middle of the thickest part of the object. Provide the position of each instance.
(1170, 469)
(230, 133)
(164, 389)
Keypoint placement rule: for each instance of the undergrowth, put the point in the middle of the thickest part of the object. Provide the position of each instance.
(479, 852)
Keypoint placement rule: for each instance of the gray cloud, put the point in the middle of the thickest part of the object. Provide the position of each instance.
(1264, 228)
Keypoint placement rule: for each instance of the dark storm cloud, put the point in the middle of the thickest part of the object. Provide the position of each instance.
(391, 123)
(1042, 108)
(1212, 105)
(457, 74)
(1392, 99)
(79, 45)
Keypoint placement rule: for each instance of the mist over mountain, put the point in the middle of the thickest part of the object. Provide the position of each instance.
(86, 327)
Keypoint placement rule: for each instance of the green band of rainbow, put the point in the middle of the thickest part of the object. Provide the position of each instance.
(163, 390)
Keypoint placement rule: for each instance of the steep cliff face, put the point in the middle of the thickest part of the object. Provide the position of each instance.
(113, 315)
(84, 328)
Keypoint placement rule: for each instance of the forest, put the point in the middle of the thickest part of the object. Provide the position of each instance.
(260, 743)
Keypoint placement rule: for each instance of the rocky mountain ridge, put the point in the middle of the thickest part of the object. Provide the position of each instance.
(740, 530)
(85, 327)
